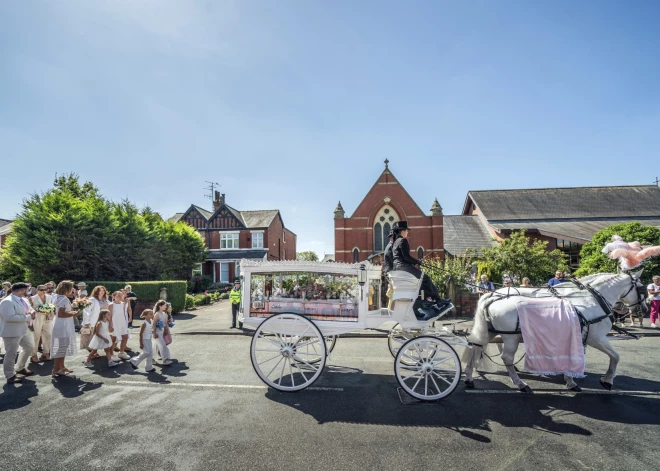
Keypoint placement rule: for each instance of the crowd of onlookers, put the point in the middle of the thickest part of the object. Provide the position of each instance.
(45, 320)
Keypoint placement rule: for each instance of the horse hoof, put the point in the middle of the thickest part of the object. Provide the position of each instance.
(469, 384)
(576, 389)
(606, 385)
(526, 390)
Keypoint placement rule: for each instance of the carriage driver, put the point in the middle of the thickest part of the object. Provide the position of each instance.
(403, 261)
(388, 266)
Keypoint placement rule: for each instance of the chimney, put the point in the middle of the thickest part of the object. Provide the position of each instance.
(218, 200)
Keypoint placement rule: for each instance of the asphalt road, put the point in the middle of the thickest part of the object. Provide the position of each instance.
(210, 411)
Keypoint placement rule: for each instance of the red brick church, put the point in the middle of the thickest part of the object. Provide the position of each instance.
(363, 235)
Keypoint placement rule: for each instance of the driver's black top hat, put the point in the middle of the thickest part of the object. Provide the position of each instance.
(400, 226)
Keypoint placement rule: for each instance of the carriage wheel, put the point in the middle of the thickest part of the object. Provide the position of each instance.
(427, 368)
(288, 352)
(396, 338)
(330, 342)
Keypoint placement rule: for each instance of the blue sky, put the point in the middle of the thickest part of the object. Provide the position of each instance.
(295, 104)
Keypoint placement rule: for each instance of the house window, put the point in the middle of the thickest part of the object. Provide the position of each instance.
(258, 240)
(228, 241)
(378, 237)
(572, 249)
(224, 272)
(197, 270)
(284, 254)
(356, 255)
(420, 253)
(283, 236)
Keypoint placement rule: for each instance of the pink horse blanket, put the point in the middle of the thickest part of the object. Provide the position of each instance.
(553, 337)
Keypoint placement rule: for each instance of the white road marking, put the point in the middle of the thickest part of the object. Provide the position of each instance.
(588, 392)
(214, 385)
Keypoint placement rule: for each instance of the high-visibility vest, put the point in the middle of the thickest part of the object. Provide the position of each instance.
(235, 296)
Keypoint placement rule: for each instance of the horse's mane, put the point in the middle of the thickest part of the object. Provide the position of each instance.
(588, 279)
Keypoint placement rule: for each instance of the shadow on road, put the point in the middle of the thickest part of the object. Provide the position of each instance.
(374, 401)
(15, 396)
(70, 386)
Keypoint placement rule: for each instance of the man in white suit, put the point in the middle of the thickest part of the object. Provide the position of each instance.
(15, 317)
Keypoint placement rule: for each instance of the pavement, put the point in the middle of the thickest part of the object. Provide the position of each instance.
(210, 411)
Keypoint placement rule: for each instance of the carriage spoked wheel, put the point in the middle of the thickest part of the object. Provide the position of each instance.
(330, 342)
(427, 368)
(288, 352)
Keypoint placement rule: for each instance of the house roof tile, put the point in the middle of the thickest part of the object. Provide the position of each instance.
(464, 232)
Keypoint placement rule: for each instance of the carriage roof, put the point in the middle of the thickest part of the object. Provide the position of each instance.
(252, 266)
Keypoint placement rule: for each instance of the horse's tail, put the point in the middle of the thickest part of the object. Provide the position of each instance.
(479, 333)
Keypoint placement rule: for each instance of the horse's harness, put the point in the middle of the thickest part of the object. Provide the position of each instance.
(584, 323)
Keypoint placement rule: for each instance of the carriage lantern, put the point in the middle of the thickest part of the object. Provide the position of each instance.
(362, 279)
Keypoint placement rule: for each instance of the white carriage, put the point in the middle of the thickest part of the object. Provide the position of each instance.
(299, 308)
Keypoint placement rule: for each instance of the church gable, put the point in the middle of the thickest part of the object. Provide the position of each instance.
(387, 190)
(223, 218)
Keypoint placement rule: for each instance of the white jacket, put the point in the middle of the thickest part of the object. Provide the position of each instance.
(14, 318)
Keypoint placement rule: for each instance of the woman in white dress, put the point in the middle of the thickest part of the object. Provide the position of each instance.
(43, 324)
(119, 324)
(63, 337)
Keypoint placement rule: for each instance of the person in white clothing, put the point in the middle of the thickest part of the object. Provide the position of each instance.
(146, 332)
(63, 337)
(15, 317)
(43, 324)
(101, 340)
(160, 329)
(119, 325)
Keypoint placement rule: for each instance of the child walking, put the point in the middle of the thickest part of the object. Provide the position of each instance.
(146, 331)
(101, 339)
(161, 327)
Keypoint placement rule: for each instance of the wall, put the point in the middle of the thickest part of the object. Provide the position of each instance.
(277, 242)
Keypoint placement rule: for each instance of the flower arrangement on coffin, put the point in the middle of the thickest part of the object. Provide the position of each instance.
(81, 304)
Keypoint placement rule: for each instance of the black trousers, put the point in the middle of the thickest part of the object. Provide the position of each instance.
(234, 313)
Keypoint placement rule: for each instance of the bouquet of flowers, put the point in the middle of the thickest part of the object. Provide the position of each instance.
(46, 308)
(81, 304)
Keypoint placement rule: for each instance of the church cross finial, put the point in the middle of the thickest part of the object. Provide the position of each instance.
(386, 164)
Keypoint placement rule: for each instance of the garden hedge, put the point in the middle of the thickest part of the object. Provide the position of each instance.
(149, 290)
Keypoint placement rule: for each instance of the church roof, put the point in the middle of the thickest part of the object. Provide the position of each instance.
(464, 232)
(603, 202)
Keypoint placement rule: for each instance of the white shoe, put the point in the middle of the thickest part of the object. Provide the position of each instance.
(652, 326)
(167, 362)
(89, 364)
(112, 363)
(115, 359)
(124, 356)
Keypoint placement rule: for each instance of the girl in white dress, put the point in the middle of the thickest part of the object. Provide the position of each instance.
(101, 340)
(99, 299)
(160, 328)
(146, 332)
(63, 336)
(119, 324)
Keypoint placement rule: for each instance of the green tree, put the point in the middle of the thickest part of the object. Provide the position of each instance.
(593, 260)
(519, 256)
(451, 275)
(307, 256)
(72, 232)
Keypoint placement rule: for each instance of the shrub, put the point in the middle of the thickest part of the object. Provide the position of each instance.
(224, 295)
(149, 290)
(198, 284)
(190, 301)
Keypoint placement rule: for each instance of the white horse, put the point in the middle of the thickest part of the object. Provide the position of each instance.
(503, 316)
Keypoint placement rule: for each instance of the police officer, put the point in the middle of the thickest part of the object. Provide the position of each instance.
(235, 300)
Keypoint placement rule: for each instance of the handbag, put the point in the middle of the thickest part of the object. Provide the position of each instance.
(167, 337)
(85, 331)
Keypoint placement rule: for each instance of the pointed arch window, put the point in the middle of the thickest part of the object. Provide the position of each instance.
(378, 237)
(385, 217)
(356, 255)
(420, 253)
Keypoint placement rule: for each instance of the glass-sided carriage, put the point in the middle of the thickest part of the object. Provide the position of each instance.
(299, 308)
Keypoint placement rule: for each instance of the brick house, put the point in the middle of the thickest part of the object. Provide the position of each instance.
(566, 218)
(363, 235)
(232, 235)
(5, 229)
